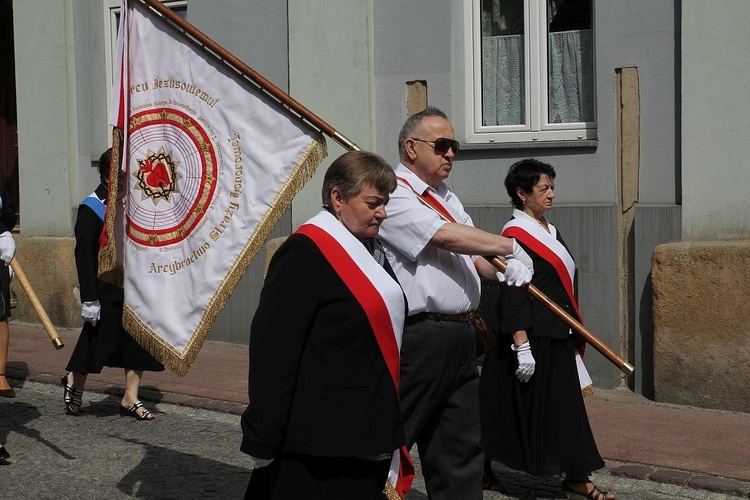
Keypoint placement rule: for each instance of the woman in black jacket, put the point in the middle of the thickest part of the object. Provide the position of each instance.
(533, 382)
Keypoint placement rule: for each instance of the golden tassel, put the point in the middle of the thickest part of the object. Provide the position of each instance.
(390, 492)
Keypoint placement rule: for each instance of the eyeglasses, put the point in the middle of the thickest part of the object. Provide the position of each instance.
(442, 145)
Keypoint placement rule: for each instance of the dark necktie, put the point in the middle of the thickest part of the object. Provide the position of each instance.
(376, 250)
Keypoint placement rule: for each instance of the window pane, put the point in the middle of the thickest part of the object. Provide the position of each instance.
(503, 72)
(570, 61)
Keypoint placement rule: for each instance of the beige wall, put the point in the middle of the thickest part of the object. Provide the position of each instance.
(715, 133)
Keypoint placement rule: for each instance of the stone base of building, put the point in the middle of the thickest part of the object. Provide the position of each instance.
(702, 324)
(49, 265)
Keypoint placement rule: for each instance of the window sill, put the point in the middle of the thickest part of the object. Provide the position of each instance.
(588, 143)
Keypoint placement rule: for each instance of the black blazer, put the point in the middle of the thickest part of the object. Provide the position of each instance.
(88, 230)
(518, 311)
(318, 384)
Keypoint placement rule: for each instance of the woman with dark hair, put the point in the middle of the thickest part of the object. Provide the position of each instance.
(103, 340)
(533, 381)
(324, 418)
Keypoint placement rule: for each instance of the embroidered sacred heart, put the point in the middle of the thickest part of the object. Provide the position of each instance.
(157, 174)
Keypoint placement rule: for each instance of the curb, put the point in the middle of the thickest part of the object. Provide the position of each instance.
(716, 484)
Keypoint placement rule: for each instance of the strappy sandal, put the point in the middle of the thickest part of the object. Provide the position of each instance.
(73, 398)
(7, 393)
(133, 412)
(594, 494)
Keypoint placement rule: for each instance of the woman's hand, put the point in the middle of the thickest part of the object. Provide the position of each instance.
(526, 362)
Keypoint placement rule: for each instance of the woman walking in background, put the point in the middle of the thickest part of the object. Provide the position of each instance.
(103, 340)
(533, 380)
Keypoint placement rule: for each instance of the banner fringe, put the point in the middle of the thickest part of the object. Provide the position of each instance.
(588, 390)
(109, 270)
(390, 493)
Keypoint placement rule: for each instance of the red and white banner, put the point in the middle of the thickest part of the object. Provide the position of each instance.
(208, 166)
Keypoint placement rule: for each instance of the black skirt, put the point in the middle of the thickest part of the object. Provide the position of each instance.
(108, 344)
(540, 427)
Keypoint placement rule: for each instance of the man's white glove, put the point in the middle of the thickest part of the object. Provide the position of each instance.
(520, 267)
(91, 311)
(526, 362)
(7, 247)
(262, 462)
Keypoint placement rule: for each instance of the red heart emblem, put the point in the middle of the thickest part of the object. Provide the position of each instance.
(157, 174)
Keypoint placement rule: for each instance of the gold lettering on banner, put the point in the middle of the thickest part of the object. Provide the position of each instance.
(188, 88)
(228, 213)
(237, 151)
(139, 87)
(176, 266)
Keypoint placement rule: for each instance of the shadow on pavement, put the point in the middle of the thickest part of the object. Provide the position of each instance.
(165, 473)
(16, 417)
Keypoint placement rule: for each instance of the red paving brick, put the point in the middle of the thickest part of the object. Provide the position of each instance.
(629, 428)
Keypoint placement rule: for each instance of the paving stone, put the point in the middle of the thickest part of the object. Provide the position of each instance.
(634, 471)
(672, 476)
(720, 485)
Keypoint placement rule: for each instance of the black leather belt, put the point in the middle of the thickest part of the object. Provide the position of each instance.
(458, 318)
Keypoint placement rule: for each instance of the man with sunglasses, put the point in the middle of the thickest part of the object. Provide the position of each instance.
(435, 251)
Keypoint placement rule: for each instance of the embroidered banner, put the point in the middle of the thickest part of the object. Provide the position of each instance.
(208, 166)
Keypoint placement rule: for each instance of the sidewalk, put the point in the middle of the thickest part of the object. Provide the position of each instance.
(641, 439)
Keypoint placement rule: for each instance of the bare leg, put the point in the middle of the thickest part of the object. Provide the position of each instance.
(4, 341)
(132, 383)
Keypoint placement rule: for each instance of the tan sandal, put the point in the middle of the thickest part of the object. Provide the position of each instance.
(594, 494)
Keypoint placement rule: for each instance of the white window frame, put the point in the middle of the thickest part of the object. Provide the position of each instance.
(111, 11)
(537, 128)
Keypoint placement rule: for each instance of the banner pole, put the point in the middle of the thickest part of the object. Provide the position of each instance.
(558, 311)
(258, 79)
(24, 281)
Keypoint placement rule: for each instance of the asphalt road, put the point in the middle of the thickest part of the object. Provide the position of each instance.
(186, 453)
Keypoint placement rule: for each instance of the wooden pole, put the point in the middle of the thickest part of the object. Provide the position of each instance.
(24, 281)
(581, 330)
(561, 313)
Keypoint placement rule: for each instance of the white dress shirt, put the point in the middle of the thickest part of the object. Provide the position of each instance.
(433, 280)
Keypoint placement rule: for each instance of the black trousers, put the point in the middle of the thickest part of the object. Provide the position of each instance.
(439, 388)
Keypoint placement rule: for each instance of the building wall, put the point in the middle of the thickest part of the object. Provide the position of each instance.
(47, 114)
(331, 72)
(715, 146)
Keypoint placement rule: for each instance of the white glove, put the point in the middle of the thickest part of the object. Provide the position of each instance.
(519, 269)
(7, 247)
(91, 311)
(261, 462)
(526, 363)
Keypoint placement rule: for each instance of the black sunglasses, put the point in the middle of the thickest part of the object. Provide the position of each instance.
(442, 145)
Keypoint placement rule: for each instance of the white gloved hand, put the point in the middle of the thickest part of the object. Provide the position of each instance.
(91, 311)
(520, 267)
(526, 362)
(262, 462)
(7, 247)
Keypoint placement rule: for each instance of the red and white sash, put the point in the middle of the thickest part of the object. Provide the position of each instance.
(382, 300)
(430, 200)
(549, 248)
